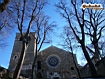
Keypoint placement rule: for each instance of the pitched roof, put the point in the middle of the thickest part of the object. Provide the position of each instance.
(54, 49)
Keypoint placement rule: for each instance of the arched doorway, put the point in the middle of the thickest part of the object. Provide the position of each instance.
(55, 76)
(39, 75)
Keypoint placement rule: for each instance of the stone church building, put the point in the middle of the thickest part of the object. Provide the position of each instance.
(52, 62)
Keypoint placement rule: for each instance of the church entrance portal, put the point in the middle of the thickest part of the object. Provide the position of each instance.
(39, 75)
(56, 78)
(55, 75)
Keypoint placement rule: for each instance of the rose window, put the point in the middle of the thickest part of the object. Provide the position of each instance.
(53, 61)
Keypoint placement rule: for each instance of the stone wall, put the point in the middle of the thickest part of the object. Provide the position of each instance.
(85, 71)
(66, 67)
(53, 61)
(29, 57)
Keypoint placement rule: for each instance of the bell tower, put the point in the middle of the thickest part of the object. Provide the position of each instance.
(29, 57)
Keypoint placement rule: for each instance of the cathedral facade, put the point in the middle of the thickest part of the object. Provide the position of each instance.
(52, 62)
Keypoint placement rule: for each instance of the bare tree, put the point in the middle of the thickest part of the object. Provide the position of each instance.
(24, 16)
(42, 31)
(69, 43)
(6, 28)
(75, 17)
(3, 40)
(67, 37)
(95, 28)
(102, 45)
(103, 49)
(3, 5)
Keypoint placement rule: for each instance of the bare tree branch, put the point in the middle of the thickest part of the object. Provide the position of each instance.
(80, 22)
(21, 10)
(100, 33)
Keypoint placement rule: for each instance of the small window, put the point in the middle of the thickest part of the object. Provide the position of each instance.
(68, 72)
(72, 68)
(38, 64)
(15, 57)
(20, 39)
(51, 73)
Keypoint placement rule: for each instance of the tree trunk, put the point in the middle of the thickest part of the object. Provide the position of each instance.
(97, 52)
(76, 66)
(91, 65)
(20, 62)
(33, 65)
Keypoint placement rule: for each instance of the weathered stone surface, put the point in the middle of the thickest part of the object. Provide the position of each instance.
(29, 57)
(64, 68)
(61, 61)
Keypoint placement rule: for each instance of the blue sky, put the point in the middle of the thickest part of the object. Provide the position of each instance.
(5, 54)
